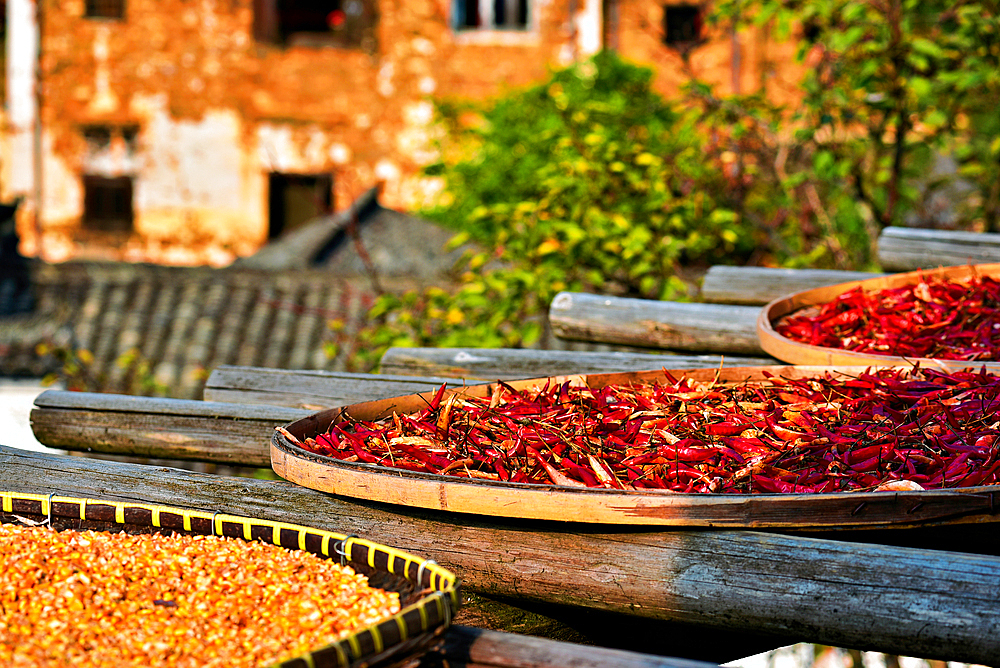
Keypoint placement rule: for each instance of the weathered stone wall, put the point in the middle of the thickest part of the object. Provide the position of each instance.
(216, 111)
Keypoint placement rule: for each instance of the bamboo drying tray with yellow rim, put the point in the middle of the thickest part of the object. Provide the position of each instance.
(795, 352)
(428, 593)
(820, 511)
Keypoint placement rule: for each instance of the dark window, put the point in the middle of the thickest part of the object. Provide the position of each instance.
(510, 13)
(104, 9)
(491, 14)
(107, 203)
(295, 199)
(339, 23)
(681, 25)
(129, 135)
(98, 137)
(467, 13)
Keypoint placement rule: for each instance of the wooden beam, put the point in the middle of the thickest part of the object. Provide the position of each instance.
(759, 285)
(714, 328)
(314, 390)
(479, 648)
(158, 428)
(914, 602)
(907, 249)
(514, 364)
(598, 628)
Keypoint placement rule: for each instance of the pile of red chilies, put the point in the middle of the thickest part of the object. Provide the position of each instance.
(939, 319)
(932, 428)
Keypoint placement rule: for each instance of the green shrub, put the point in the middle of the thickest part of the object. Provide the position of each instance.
(589, 181)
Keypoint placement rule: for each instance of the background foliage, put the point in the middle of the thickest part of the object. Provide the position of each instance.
(592, 182)
(898, 122)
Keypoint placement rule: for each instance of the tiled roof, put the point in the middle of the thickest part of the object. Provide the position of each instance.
(185, 321)
(182, 321)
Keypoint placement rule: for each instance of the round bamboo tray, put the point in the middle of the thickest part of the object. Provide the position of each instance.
(608, 506)
(428, 593)
(794, 352)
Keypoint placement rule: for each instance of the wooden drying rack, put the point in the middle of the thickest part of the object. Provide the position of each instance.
(657, 592)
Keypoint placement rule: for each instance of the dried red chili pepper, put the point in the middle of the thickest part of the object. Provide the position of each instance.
(934, 318)
(819, 434)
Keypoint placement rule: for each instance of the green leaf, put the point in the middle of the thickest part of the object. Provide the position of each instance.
(823, 161)
(920, 86)
(936, 118)
(927, 47)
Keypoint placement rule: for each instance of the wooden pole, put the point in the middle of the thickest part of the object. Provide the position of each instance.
(478, 648)
(156, 428)
(756, 286)
(909, 249)
(714, 328)
(518, 363)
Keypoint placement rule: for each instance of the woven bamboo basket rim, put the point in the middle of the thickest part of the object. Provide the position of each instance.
(838, 510)
(796, 352)
(429, 593)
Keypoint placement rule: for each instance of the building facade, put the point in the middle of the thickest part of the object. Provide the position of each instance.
(193, 131)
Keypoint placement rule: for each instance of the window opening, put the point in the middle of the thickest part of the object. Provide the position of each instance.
(107, 203)
(129, 135)
(98, 137)
(109, 164)
(295, 199)
(316, 23)
(682, 25)
(104, 9)
(491, 14)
